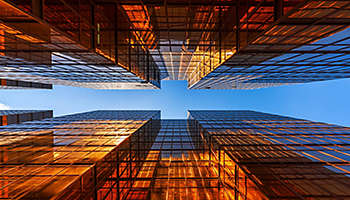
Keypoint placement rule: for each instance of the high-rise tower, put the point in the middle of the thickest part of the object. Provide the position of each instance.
(212, 155)
(213, 44)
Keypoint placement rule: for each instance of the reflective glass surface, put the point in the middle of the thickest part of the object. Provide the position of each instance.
(65, 157)
(213, 44)
(212, 155)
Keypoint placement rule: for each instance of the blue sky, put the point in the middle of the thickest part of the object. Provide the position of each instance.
(326, 101)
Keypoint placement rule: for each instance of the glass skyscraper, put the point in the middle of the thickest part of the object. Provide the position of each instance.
(213, 44)
(135, 44)
(75, 156)
(265, 156)
(211, 155)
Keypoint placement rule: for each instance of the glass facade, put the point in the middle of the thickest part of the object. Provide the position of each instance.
(14, 84)
(76, 43)
(285, 42)
(72, 157)
(213, 44)
(265, 156)
(177, 166)
(19, 116)
(212, 155)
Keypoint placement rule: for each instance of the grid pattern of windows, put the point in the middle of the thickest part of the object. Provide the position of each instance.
(15, 84)
(285, 158)
(72, 43)
(218, 44)
(19, 116)
(68, 157)
(212, 155)
(177, 166)
(324, 59)
(304, 44)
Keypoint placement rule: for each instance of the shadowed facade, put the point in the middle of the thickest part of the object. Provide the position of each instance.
(19, 116)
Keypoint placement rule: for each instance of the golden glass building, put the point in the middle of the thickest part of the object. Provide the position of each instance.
(213, 44)
(211, 155)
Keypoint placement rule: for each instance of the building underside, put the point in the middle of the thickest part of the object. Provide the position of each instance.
(211, 155)
(15, 84)
(8, 117)
(134, 44)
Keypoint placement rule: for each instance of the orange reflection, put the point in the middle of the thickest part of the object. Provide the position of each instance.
(138, 16)
(18, 34)
(2, 42)
(60, 163)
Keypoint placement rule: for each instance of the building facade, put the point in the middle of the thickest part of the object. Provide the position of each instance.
(213, 44)
(14, 84)
(211, 155)
(269, 156)
(19, 116)
(73, 156)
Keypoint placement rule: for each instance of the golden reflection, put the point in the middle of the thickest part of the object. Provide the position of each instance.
(269, 163)
(214, 48)
(18, 34)
(170, 172)
(139, 159)
(138, 16)
(192, 175)
(58, 163)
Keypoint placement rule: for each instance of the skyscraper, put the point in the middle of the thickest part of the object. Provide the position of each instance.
(72, 157)
(213, 44)
(268, 156)
(210, 155)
